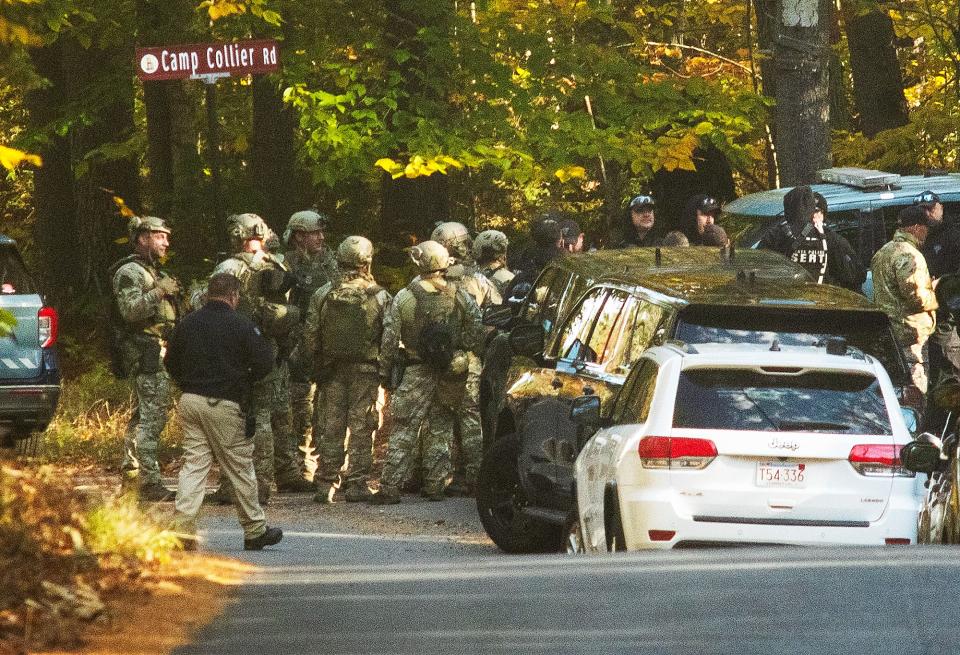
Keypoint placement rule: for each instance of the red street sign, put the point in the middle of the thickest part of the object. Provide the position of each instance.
(201, 60)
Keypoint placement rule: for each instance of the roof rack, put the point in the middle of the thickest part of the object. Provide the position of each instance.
(860, 178)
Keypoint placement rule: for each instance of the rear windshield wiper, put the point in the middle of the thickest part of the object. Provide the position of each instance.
(792, 426)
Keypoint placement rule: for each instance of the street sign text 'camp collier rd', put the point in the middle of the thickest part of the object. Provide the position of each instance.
(200, 60)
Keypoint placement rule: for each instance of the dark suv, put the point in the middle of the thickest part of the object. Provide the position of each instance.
(29, 371)
(584, 323)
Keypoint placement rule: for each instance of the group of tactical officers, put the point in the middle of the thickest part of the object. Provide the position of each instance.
(342, 348)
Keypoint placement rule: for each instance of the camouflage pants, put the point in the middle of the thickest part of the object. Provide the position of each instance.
(467, 446)
(303, 403)
(918, 362)
(425, 410)
(350, 408)
(152, 400)
(287, 463)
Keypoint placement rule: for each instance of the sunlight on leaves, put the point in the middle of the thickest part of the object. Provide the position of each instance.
(10, 158)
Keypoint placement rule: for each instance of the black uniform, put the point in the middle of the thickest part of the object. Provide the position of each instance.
(941, 250)
(217, 353)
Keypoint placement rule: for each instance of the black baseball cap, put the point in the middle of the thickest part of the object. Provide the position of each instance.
(642, 200)
(708, 205)
(926, 199)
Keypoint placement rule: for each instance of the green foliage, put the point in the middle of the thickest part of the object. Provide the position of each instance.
(119, 528)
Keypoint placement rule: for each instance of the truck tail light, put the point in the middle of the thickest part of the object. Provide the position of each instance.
(47, 326)
(681, 453)
(878, 461)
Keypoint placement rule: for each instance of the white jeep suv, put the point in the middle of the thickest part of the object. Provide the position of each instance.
(738, 443)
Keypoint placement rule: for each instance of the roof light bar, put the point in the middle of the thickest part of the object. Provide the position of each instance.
(860, 178)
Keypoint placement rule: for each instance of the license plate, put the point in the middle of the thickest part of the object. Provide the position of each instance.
(775, 474)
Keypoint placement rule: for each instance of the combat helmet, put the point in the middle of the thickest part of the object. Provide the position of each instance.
(307, 220)
(242, 227)
(354, 252)
(430, 257)
(138, 224)
(454, 237)
(489, 245)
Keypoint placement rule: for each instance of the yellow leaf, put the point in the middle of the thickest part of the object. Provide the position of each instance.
(221, 8)
(10, 158)
(706, 127)
(568, 173)
(125, 212)
(387, 164)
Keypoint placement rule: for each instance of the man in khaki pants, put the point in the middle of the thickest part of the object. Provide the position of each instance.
(215, 355)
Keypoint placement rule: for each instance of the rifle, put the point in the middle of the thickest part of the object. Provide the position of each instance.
(398, 369)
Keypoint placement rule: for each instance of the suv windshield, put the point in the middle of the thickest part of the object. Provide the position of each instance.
(868, 332)
(14, 278)
(818, 401)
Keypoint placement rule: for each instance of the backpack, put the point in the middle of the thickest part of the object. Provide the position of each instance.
(348, 330)
(436, 342)
(115, 325)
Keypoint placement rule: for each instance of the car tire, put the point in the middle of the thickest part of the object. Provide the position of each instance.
(501, 500)
(616, 540)
(572, 534)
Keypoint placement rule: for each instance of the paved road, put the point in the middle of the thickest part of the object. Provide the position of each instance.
(330, 590)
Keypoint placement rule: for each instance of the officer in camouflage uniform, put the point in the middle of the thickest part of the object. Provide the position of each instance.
(146, 302)
(312, 265)
(426, 404)
(903, 290)
(263, 299)
(490, 251)
(467, 445)
(341, 339)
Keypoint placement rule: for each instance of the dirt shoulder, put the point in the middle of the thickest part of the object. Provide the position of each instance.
(164, 612)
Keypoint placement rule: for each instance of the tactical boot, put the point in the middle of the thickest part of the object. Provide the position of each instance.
(270, 537)
(154, 492)
(436, 496)
(295, 486)
(326, 492)
(385, 497)
(357, 493)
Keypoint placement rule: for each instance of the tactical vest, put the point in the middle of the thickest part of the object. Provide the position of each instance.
(135, 347)
(349, 330)
(167, 315)
(434, 318)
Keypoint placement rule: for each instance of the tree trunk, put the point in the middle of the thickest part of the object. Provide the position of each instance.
(279, 183)
(877, 79)
(766, 12)
(103, 176)
(412, 206)
(802, 121)
(55, 224)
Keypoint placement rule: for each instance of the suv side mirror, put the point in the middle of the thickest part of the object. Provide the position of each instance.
(920, 456)
(498, 316)
(527, 339)
(585, 411)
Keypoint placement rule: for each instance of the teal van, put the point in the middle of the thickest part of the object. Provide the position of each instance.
(863, 206)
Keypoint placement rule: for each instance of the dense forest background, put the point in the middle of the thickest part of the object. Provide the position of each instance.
(390, 115)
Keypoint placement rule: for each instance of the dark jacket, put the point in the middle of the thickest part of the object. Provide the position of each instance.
(218, 353)
(942, 248)
(527, 268)
(626, 236)
(843, 265)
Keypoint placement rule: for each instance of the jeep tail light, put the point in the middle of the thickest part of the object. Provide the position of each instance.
(878, 461)
(681, 453)
(47, 326)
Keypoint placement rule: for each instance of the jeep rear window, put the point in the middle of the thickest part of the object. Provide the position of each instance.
(748, 399)
(14, 278)
(868, 332)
